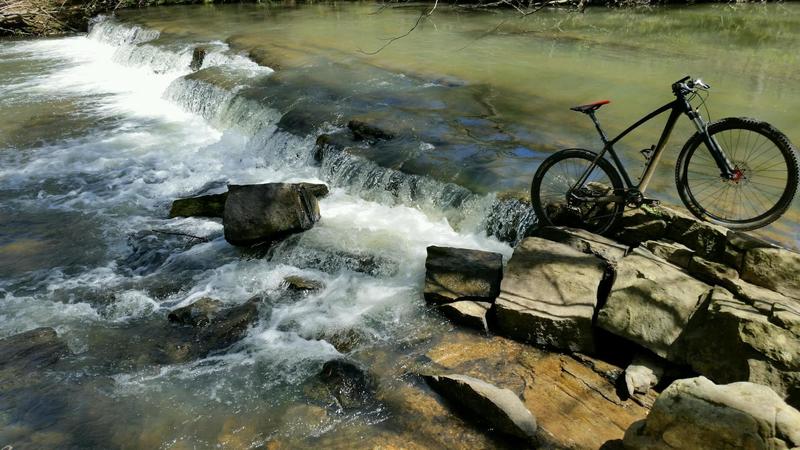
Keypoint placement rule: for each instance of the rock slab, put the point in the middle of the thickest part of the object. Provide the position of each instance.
(548, 295)
(267, 212)
(651, 302)
(499, 408)
(212, 205)
(468, 313)
(453, 274)
(697, 414)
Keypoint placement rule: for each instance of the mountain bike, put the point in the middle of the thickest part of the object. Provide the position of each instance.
(736, 172)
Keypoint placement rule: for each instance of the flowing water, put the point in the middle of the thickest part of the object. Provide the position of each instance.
(99, 133)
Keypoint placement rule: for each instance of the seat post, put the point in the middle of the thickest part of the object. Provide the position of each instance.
(597, 125)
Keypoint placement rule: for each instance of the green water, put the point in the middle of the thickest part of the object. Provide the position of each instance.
(99, 133)
(516, 77)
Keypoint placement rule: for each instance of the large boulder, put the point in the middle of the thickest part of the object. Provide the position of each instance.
(268, 212)
(453, 274)
(773, 268)
(732, 341)
(485, 403)
(548, 295)
(651, 302)
(212, 205)
(696, 414)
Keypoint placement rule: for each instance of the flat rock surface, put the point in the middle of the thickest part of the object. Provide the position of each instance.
(651, 302)
(468, 313)
(548, 295)
(453, 274)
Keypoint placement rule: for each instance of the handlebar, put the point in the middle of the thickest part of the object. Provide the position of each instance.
(687, 85)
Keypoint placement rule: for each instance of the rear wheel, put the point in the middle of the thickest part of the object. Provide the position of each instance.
(551, 185)
(765, 181)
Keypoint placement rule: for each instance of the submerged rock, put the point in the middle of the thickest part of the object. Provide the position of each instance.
(212, 205)
(198, 314)
(31, 350)
(267, 212)
(453, 274)
(498, 408)
(548, 295)
(696, 414)
(365, 132)
(300, 284)
(349, 384)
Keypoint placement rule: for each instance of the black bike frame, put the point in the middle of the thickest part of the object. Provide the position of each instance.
(676, 107)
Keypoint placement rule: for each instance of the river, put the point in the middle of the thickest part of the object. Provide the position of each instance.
(100, 132)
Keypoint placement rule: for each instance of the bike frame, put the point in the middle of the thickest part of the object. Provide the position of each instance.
(676, 107)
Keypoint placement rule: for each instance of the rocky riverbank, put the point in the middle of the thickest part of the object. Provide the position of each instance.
(670, 333)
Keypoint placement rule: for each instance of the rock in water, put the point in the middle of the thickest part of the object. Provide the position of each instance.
(31, 350)
(201, 206)
(198, 314)
(696, 414)
(267, 212)
(453, 274)
(301, 284)
(348, 383)
(365, 132)
(548, 295)
(198, 55)
(499, 408)
(651, 302)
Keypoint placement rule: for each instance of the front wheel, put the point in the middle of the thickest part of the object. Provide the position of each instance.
(589, 207)
(765, 175)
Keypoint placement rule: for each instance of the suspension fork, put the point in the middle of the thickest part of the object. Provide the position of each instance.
(726, 167)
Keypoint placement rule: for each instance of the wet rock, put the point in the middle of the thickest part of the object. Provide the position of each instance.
(31, 350)
(498, 408)
(583, 241)
(268, 212)
(468, 313)
(198, 55)
(711, 272)
(349, 384)
(732, 341)
(773, 268)
(453, 274)
(651, 302)
(365, 132)
(198, 314)
(214, 327)
(697, 414)
(298, 283)
(228, 326)
(344, 341)
(319, 190)
(212, 205)
(548, 295)
(642, 374)
(672, 252)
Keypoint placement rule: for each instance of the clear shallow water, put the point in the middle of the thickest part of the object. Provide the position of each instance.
(99, 133)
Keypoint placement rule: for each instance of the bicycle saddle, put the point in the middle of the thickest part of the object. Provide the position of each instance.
(590, 106)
